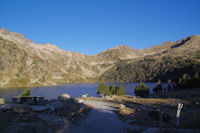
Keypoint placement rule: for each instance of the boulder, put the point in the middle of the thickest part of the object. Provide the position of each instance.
(114, 96)
(122, 107)
(84, 96)
(5, 107)
(37, 108)
(64, 97)
(2, 101)
(20, 108)
(109, 97)
(80, 101)
(15, 100)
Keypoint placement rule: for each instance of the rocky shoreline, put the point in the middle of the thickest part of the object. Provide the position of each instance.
(55, 116)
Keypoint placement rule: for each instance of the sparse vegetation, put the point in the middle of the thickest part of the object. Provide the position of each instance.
(17, 75)
(26, 92)
(121, 90)
(110, 90)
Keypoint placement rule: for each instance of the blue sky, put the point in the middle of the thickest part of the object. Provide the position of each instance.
(91, 26)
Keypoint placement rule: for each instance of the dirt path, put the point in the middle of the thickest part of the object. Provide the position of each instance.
(102, 119)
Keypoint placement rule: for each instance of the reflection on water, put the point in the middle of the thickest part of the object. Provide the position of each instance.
(74, 90)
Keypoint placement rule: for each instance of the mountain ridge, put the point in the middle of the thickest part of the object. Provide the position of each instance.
(115, 47)
(25, 63)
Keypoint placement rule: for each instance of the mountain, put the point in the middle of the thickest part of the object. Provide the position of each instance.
(119, 52)
(25, 63)
(175, 60)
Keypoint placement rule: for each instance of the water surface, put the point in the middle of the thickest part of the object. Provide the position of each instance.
(74, 90)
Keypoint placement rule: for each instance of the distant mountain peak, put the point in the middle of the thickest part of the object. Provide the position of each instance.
(122, 47)
(187, 41)
(119, 52)
(195, 36)
(6, 32)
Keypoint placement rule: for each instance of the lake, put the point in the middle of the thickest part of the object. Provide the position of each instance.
(74, 90)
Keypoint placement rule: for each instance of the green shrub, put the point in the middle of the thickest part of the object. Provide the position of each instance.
(102, 89)
(141, 90)
(120, 90)
(110, 90)
(26, 92)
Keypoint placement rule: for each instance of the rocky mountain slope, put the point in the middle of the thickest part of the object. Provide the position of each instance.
(175, 60)
(25, 63)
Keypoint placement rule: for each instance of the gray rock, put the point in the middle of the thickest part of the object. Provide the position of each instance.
(2, 101)
(64, 97)
(114, 96)
(80, 101)
(20, 108)
(5, 107)
(109, 97)
(84, 96)
(122, 107)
